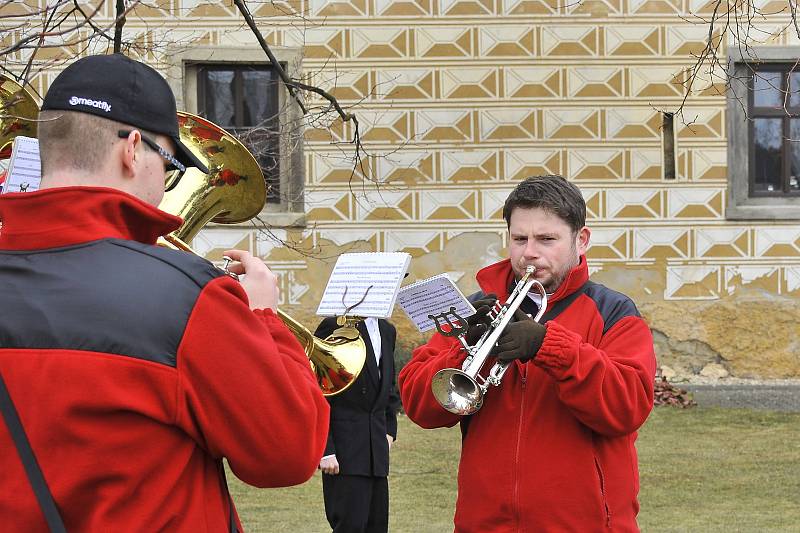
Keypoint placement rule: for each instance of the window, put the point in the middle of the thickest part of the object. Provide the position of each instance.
(764, 135)
(243, 99)
(238, 89)
(774, 104)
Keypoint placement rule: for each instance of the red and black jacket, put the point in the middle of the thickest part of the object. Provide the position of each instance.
(135, 369)
(552, 448)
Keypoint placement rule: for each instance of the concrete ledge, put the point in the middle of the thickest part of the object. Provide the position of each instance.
(272, 220)
(755, 395)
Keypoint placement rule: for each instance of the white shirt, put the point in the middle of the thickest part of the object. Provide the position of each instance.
(537, 298)
(375, 338)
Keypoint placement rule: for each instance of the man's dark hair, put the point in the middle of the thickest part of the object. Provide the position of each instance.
(553, 194)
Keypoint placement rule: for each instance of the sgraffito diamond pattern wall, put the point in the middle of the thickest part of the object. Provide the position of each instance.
(459, 100)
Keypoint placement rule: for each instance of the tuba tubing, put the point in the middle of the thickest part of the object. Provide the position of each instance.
(336, 360)
(462, 391)
(234, 191)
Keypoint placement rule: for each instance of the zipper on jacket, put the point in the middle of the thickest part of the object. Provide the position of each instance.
(516, 451)
(603, 490)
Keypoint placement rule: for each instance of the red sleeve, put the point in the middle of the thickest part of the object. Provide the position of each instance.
(609, 388)
(247, 392)
(415, 379)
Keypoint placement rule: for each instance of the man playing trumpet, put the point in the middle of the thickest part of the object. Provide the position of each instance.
(552, 447)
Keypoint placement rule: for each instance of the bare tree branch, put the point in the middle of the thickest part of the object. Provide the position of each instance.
(118, 26)
(248, 17)
(292, 87)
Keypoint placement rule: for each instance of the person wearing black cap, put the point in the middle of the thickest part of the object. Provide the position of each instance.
(134, 369)
(96, 102)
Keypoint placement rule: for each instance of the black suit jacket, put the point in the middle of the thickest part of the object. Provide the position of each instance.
(366, 412)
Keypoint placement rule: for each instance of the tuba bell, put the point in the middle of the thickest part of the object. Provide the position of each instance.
(18, 113)
(234, 190)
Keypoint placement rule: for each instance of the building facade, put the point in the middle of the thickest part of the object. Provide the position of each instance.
(692, 197)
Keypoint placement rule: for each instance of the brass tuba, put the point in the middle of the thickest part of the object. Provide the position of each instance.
(234, 191)
(18, 113)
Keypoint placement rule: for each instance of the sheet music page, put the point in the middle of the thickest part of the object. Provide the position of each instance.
(430, 297)
(24, 168)
(376, 274)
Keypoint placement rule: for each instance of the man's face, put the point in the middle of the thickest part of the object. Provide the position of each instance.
(542, 239)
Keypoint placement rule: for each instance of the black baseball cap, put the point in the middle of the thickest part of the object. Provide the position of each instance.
(119, 88)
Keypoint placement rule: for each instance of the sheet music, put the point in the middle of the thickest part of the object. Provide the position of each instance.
(430, 297)
(24, 168)
(380, 272)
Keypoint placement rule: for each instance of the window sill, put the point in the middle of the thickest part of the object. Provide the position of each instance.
(271, 220)
(283, 220)
(765, 209)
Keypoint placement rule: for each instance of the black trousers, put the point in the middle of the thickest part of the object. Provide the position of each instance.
(356, 504)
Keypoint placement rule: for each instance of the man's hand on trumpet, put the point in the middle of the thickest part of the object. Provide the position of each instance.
(260, 284)
(520, 340)
(479, 323)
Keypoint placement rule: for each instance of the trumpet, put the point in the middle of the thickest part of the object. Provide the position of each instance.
(462, 391)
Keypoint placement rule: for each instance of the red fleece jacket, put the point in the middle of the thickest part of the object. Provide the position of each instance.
(128, 444)
(552, 448)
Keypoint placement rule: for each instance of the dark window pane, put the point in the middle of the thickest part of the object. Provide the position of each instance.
(263, 144)
(794, 89)
(257, 97)
(767, 89)
(794, 148)
(768, 140)
(220, 97)
(243, 99)
(260, 95)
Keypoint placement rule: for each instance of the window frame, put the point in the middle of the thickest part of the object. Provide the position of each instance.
(786, 114)
(182, 75)
(238, 114)
(742, 203)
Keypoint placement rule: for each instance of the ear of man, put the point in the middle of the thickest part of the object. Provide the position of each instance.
(131, 154)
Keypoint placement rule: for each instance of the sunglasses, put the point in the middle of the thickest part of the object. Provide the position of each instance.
(172, 163)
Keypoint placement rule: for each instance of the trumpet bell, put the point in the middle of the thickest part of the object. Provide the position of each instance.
(18, 113)
(457, 391)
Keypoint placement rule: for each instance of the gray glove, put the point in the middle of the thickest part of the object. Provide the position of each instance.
(479, 323)
(520, 340)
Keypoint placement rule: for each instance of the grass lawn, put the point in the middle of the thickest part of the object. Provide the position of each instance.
(701, 470)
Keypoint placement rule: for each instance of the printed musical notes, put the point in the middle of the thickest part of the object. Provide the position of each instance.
(430, 297)
(24, 168)
(373, 277)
